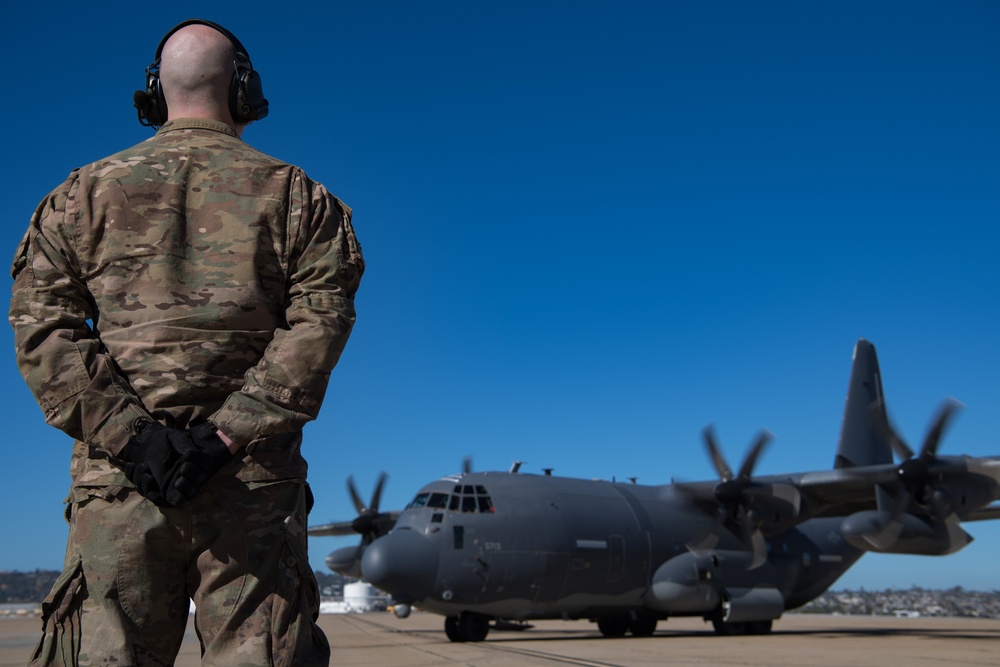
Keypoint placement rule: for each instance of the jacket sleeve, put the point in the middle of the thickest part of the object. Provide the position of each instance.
(59, 352)
(285, 389)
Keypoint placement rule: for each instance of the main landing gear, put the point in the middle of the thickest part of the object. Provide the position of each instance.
(730, 629)
(619, 624)
(467, 627)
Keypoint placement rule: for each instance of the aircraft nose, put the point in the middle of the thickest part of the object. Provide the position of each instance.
(403, 563)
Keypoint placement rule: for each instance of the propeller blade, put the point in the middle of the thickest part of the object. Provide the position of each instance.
(790, 494)
(467, 465)
(933, 439)
(880, 417)
(370, 523)
(750, 462)
(758, 547)
(359, 504)
(774, 502)
(884, 536)
(339, 528)
(377, 495)
(710, 539)
(743, 505)
(706, 542)
(957, 537)
(914, 491)
(718, 460)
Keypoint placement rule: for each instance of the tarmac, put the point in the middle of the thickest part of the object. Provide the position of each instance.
(797, 640)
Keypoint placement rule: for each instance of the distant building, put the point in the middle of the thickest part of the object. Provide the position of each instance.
(359, 598)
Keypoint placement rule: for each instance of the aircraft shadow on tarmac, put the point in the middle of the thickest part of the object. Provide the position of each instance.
(544, 636)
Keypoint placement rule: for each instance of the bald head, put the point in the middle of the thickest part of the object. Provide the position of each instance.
(196, 71)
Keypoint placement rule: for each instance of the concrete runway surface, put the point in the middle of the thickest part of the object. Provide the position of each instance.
(798, 640)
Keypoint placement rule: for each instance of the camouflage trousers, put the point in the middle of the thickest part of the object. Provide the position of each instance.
(238, 550)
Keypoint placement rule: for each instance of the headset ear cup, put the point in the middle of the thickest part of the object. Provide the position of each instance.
(149, 103)
(158, 103)
(150, 107)
(246, 98)
(255, 95)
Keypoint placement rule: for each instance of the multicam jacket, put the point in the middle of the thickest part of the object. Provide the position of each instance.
(187, 277)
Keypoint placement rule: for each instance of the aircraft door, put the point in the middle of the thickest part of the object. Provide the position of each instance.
(550, 587)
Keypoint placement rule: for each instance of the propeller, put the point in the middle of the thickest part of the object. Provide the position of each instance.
(370, 523)
(915, 476)
(744, 505)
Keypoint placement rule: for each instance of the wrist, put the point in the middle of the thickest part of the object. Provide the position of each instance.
(230, 445)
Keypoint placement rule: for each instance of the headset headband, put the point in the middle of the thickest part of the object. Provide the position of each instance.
(241, 52)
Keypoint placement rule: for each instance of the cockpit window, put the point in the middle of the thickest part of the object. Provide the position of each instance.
(432, 500)
(470, 498)
(438, 501)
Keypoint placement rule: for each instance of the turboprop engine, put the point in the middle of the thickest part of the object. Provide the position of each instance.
(912, 535)
(693, 583)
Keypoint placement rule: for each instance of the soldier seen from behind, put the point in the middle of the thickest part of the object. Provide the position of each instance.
(178, 308)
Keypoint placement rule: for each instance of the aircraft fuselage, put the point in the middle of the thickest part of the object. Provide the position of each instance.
(528, 547)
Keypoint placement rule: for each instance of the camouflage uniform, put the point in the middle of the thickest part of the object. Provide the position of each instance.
(188, 277)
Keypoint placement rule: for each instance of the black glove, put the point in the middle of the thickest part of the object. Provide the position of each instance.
(206, 456)
(151, 457)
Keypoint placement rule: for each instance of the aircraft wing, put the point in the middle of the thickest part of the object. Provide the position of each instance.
(784, 500)
(837, 492)
(985, 514)
(844, 491)
(336, 528)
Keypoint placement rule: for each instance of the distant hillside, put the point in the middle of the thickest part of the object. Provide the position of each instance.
(21, 587)
(905, 602)
(26, 586)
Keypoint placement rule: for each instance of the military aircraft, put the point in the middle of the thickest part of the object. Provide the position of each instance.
(509, 547)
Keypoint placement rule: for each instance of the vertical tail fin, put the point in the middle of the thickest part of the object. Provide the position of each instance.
(861, 442)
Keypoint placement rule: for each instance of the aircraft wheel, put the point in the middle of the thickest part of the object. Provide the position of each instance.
(472, 627)
(451, 629)
(759, 627)
(613, 626)
(724, 629)
(642, 626)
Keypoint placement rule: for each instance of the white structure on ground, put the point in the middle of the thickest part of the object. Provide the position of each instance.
(359, 597)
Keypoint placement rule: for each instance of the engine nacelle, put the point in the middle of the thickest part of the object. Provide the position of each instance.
(701, 583)
(762, 603)
(916, 535)
(346, 561)
(685, 584)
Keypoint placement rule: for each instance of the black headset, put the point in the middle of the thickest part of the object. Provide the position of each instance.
(246, 96)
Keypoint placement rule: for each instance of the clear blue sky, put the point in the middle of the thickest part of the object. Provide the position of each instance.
(592, 228)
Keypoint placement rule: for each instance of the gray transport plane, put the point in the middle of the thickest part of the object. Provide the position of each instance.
(508, 547)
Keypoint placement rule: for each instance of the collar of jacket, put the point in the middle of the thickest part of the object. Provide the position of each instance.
(197, 124)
